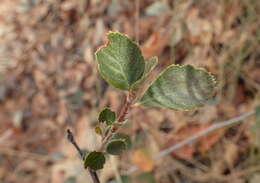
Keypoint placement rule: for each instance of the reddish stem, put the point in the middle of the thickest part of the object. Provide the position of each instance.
(124, 110)
(122, 115)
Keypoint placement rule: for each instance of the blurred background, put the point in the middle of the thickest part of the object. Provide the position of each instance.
(49, 82)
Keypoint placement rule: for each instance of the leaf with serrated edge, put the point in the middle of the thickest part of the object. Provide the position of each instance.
(149, 66)
(180, 88)
(95, 160)
(116, 147)
(120, 61)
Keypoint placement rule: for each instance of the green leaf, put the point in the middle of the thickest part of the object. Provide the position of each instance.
(124, 137)
(149, 66)
(120, 61)
(180, 88)
(116, 147)
(107, 116)
(95, 160)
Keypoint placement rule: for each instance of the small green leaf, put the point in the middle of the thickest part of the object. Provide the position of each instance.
(107, 116)
(120, 61)
(124, 137)
(98, 130)
(116, 147)
(95, 160)
(149, 66)
(180, 88)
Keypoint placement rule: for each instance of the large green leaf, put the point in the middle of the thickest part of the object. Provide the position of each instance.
(94, 160)
(180, 88)
(120, 61)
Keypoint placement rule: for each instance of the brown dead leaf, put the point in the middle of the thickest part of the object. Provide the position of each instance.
(205, 143)
(142, 159)
(200, 29)
(185, 152)
(155, 44)
(182, 134)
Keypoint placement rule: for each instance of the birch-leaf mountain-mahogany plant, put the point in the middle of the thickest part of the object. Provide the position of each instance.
(122, 65)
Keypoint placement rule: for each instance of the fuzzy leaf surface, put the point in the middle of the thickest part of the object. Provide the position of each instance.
(180, 88)
(120, 61)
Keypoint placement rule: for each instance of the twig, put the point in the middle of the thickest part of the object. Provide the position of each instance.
(212, 128)
(92, 173)
(122, 114)
(124, 110)
(193, 138)
(74, 143)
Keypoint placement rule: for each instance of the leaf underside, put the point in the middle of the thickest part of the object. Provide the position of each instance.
(180, 88)
(120, 62)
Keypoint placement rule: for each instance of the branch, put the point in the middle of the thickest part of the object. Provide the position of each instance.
(92, 173)
(70, 138)
(195, 137)
(122, 114)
